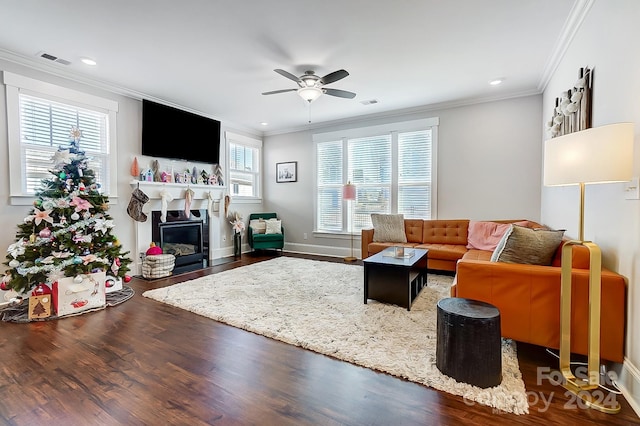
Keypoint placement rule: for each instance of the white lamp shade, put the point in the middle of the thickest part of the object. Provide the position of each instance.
(597, 155)
(349, 192)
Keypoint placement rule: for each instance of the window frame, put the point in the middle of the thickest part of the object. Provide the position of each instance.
(15, 85)
(392, 129)
(247, 142)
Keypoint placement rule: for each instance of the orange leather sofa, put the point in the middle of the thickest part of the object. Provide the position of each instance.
(446, 241)
(528, 296)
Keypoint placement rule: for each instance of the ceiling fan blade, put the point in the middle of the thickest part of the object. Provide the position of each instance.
(287, 74)
(279, 91)
(334, 76)
(339, 93)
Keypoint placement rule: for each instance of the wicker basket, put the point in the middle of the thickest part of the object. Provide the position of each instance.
(158, 265)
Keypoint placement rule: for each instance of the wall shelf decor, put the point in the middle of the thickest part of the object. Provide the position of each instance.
(572, 111)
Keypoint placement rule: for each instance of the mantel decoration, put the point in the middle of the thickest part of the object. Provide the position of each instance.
(67, 239)
(287, 172)
(238, 226)
(572, 111)
(154, 173)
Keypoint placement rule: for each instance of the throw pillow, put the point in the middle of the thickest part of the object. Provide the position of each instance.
(273, 226)
(388, 228)
(526, 245)
(487, 235)
(258, 226)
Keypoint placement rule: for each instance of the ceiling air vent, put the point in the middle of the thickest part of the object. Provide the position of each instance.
(53, 58)
(369, 102)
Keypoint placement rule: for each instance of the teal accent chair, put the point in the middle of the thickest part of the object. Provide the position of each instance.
(264, 241)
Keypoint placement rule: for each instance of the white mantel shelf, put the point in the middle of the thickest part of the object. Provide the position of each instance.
(177, 190)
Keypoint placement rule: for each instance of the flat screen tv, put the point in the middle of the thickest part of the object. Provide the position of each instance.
(169, 132)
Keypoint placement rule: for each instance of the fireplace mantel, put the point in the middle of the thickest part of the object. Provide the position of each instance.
(200, 200)
(177, 190)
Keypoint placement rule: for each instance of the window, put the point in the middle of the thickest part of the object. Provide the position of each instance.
(244, 165)
(392, 166)
(45, 125)
(40, 117)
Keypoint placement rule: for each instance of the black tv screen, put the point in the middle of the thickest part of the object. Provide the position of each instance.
(169, 132)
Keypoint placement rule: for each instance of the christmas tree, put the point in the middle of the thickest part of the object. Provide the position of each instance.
(68, 232)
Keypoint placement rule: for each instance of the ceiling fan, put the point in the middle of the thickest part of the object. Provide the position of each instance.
(311, 86)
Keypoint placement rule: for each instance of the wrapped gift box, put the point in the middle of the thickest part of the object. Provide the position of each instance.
(70, 297)
(112, 284)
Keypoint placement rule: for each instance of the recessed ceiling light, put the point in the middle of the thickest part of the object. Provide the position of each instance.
(496, 81)
(264, 123)
(88, 61)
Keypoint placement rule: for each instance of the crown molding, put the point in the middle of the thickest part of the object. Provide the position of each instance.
(572, 24)
(402, 112)
(56, 70)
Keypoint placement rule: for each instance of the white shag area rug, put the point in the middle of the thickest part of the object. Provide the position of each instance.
(319, 306)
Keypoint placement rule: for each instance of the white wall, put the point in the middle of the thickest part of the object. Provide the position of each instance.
(607, 42)
(129, 119)
(489, 160)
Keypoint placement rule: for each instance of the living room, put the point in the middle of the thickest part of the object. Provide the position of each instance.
(489, 158)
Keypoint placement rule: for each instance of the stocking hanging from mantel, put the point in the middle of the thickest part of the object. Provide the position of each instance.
(138, 199)
(165, 197)
(188, 197)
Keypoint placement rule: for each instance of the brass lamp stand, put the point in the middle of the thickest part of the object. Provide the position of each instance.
(581, 387)
(598, 155)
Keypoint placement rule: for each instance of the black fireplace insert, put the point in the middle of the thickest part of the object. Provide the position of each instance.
(186, 238)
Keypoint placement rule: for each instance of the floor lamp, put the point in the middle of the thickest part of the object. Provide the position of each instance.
(349, 194)
(598, 155)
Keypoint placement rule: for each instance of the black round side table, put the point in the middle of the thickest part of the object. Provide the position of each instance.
(469, 348)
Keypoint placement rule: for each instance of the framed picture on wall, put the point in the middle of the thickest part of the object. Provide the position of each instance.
(287, 172)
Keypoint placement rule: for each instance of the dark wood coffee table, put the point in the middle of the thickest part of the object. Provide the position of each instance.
(395, 280)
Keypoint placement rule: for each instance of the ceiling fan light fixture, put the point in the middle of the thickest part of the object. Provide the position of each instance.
(309, 81)
(309, 94)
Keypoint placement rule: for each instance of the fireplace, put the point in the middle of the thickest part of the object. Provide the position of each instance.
(186, 238)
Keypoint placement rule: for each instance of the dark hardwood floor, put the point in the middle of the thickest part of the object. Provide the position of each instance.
(143, 363)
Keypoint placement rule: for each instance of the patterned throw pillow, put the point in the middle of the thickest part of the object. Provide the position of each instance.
(258, 226)
(274, 226)
(529, 246)
(388, 228)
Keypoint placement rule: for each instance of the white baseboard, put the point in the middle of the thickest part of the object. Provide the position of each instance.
(629, 383)
(321, 250)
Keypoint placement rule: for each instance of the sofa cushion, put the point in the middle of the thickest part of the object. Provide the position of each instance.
(445, 232)
(525, 245)
(388, 228)
(413, 229)
(487, 235)
(474, 254)
(444, 251)
(262, 238)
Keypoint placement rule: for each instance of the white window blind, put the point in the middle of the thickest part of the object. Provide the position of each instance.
(392, 167)
(39, 119)
(414, 174)
(45, 125)
(330, 181)
(370, 167)
(244, 165)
